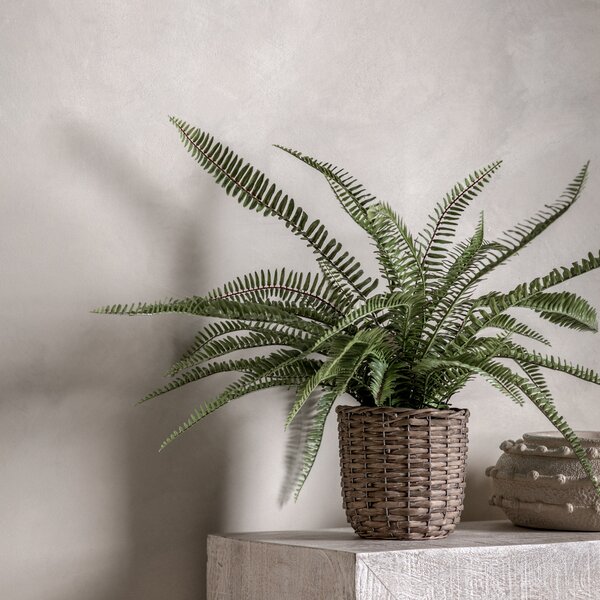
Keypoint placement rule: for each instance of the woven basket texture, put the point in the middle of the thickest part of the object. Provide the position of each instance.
(403, 470)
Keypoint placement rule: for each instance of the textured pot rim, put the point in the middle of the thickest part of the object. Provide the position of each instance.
(588, 438)
(345, 408)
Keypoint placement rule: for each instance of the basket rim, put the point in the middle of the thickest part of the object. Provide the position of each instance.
(359, 410)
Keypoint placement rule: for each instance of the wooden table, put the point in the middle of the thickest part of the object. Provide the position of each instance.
(482, 559)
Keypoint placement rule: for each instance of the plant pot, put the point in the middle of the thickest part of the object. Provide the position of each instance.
(538, 482)
(403, 470)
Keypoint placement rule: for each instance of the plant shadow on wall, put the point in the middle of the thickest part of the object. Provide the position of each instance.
(409, 347)
(175, 498)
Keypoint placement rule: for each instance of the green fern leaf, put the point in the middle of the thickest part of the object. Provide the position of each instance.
(555, 363)
(285, 335)
(245, 386)
(314, 438)
(351, 195)
(509, 381)
(535, 375)
(498, 375)
(466, 254)
(489, 306)
(510, 325)
(229, 344)
(512, 242)
(515, 239)
(255, 367)
(382, 303)
(397, 251)
(521, 235)
(342, 365)
(388, 378)
(564, 308)
(224, 309)
(289, 287)
(253, 190)
(291, 372)
(442, 226)
(448, 308)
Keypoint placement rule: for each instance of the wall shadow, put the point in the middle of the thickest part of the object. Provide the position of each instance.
(478, 492)
(177, 497)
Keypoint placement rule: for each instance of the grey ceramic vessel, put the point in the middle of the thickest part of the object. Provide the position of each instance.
(538, 482)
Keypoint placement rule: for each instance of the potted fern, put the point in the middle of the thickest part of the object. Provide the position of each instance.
(402, 350)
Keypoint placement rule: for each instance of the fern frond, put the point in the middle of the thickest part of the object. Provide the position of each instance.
(242, 365)
(387, 377)
(351, 195)
(342, 365)
(465, 255)
(535, 375)
(496, 374)
(279, 369)
(287, 336)
(510, 325)
(442, 388)
(515, 239)
(314, 438)
(547, 408)
(535, 393)
(549, 411)
(381, 303)
(245, 386)
(397, 251)
(459, 265)
(451, 313)
(286, 286)
(524, 357)
(354, 200)
(139, 308)
(378, 369)
(489, 306)
(444, 220)
(255, 366)
(564, 308)
(512, 241)
(450, 298)
(224, 309)
(234, 343)
(253, 190)
(515, 387)
(521, 235)
(342, 284)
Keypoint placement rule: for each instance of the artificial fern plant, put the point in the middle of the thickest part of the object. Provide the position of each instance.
(413, 342)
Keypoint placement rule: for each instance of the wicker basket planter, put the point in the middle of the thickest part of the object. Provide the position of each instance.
(403, 470)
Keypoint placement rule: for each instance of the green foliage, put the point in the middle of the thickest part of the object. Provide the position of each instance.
(414, 341)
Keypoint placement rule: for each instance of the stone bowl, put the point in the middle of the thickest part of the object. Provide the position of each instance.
(538, 482)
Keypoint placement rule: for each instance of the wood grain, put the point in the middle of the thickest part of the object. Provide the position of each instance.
(488, 559)
(246, 570)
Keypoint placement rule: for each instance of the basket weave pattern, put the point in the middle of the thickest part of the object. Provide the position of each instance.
(403, 470)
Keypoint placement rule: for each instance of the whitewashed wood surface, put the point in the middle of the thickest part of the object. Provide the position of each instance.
(482, 560)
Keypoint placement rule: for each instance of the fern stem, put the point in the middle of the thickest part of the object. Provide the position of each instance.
(283, 288)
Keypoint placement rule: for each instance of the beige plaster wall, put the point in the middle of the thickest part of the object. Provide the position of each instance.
(100, 203)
